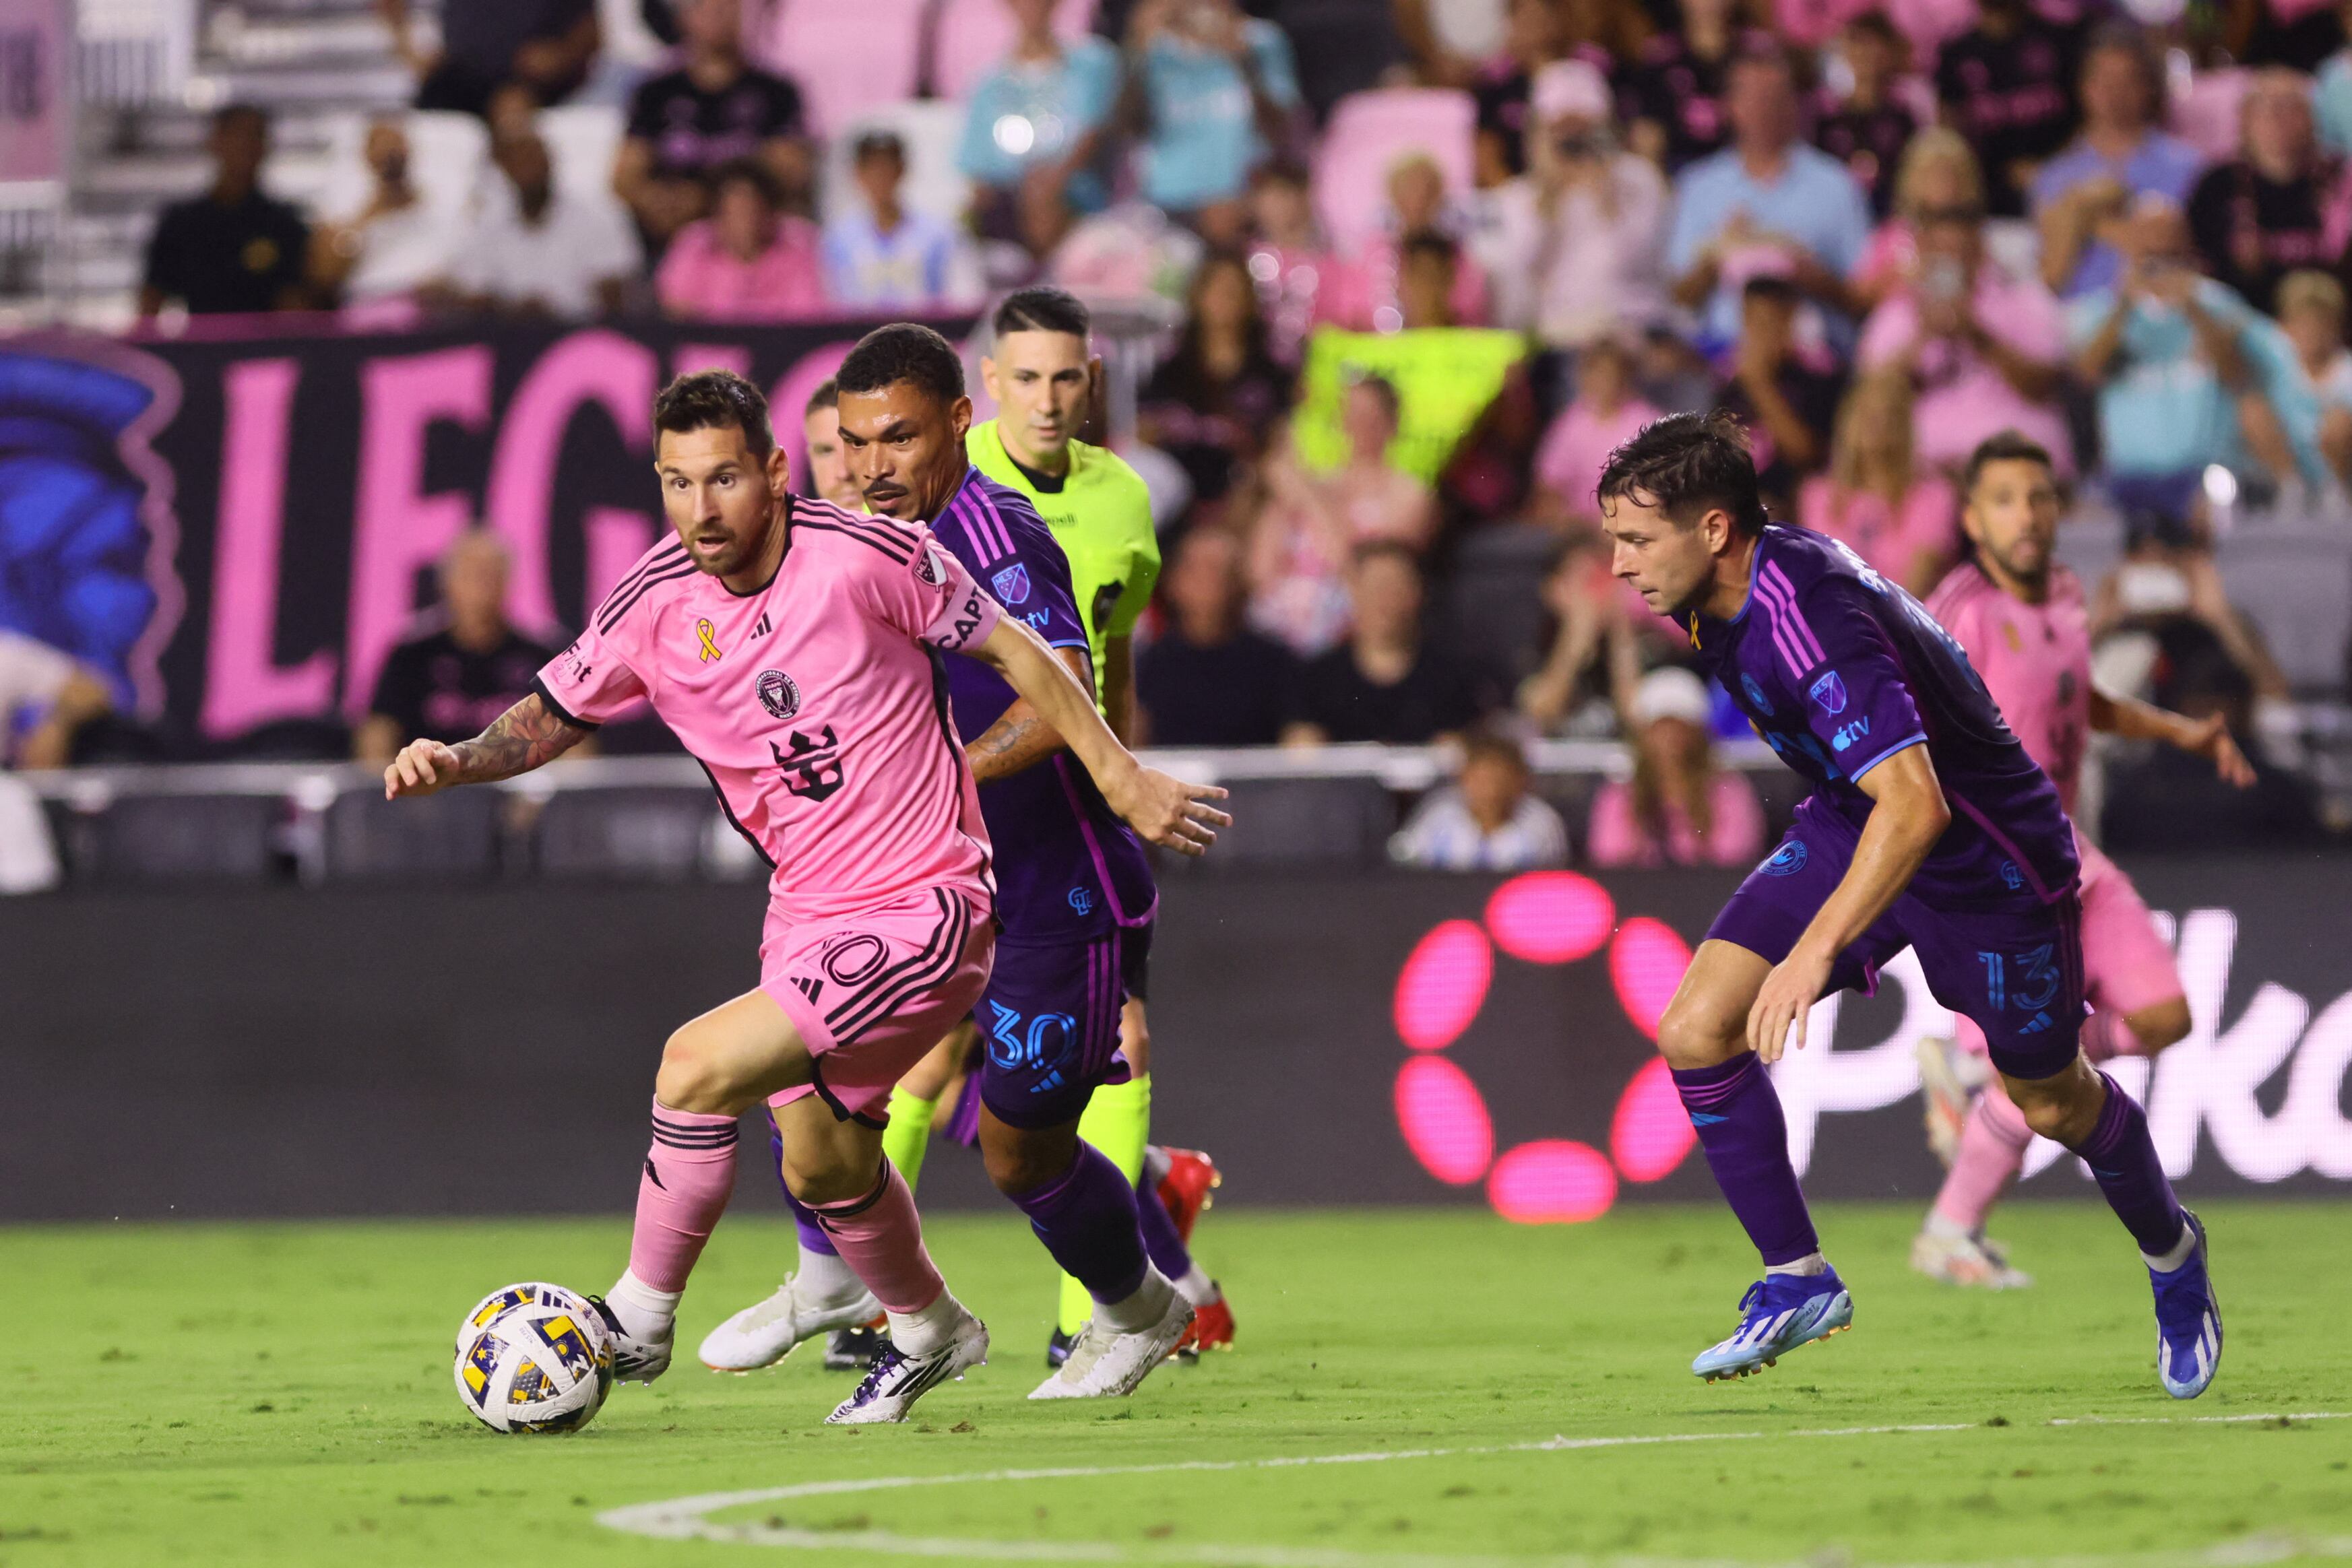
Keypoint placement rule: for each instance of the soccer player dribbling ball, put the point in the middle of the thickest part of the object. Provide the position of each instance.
(1928, 827)
(2020, 617)
(795, 649)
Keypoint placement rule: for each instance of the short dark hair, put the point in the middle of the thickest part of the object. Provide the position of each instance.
(1773, 286)
(1042, 307)
(1875, 24)
(1374, 550)
(712, 400)
(1493, 741)
(826, 396)
(1429, 243)
(1684, 465)
(903, 352)
(747, 171)
(2002, 446)
(1384, 391)
(878, 143)
(241, 110)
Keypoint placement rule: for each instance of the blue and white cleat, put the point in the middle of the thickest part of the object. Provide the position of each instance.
(1779, 1313)
(2188, 1323)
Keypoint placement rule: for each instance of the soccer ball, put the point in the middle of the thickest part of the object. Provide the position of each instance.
(533, 1358)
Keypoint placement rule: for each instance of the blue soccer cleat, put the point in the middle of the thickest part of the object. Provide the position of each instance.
(1779, 1313)
(2188, 1323)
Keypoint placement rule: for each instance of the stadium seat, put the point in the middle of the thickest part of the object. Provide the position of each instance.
(1368, 133)
(931, 129)
(1491, 613)
(583, 142)
(969, 37)
(452, 837)
(1302, 822)
(175, 838)
(647, 834)
(845, 55)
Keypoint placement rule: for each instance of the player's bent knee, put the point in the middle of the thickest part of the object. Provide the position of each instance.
(2063, 1108)
(2165, 1023)
(1694, 1033)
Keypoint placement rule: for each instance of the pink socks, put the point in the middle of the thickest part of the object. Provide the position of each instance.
(689, 1175)
(881, 1239)
(1992, 1150)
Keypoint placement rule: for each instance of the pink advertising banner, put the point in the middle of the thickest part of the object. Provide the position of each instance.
(238, 528)
(36, 108)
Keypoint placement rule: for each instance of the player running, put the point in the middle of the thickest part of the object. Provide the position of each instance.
(2020, 617)
(1075, 899)
(795, 649)
(1928, 827)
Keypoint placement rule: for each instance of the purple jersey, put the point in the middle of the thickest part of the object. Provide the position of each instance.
(1838, 669)
(1066, 867)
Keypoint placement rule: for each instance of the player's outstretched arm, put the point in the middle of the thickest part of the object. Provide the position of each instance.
(2209, 738)
(1164, 808)
(527, 736)
(1907, 815)
(1021, 738)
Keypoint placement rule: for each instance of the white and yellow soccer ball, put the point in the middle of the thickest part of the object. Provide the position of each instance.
(533, 1358)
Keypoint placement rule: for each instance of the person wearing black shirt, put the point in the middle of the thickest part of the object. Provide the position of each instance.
(713, 110)
(545, 46)
(1208, 679)
(2008, 85)
(232, 249)
(2264, 214)
(1218, 397)
(464, 666)
(1672, 96)
(1868, 130)
(1787, 401)
(1384, 682)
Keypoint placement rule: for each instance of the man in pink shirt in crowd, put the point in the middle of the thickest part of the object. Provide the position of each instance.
(747, 261)
(2021, 617)
(794, 648)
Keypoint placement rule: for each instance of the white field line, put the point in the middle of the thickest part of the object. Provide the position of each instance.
(685, 1519)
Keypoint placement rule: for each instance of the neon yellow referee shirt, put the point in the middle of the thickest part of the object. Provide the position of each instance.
(1100, 515)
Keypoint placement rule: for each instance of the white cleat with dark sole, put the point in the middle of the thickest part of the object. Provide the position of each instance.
(897, 1380)
(1108, 1365)
(634, 1360)
(764, 1334)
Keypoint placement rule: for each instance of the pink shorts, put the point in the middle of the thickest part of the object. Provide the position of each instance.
(2126, 964)
(872, 992)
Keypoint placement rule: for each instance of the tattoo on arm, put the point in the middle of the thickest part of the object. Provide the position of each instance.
(527, 736)
(1020, 738)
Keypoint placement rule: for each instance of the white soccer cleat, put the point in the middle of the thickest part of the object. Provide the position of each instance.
(897, 1380)
(1966, 1261)
(1948, 1080)
(764, 1334)
(1106, 1364)
(634, 1360)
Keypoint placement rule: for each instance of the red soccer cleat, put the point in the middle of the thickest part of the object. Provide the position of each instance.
(1211, 1329)
(1184, 1191)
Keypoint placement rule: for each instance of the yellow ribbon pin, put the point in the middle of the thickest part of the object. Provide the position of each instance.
(703, 629)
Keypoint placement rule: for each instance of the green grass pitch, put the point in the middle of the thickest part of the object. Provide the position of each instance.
(281, 1394)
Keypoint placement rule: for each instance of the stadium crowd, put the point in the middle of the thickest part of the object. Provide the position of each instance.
(1433, 258)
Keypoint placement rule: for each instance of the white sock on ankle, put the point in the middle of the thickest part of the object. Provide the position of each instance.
(644, 1312)
(1146, 1306)
(1810, 1263)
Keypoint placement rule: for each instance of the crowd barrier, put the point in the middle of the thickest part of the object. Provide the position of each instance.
(1334, 1036)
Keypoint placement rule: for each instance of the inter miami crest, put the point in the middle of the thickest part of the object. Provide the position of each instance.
(778, 694)
(1011, 584)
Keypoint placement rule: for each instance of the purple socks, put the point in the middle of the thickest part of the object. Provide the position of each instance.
(1737, 1117)
(1085, 1217)
(813, 1236)
(1160, 1238)
(2122, 1158)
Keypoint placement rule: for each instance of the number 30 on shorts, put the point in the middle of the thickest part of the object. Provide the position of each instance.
(2029, 981)
(1047, 1039)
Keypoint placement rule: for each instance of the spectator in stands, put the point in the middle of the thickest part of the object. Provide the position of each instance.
(1586, 615)
(1984, 351)
(1289, 259)
(46, 696)
(2279, 205)
(234, 249)
(1609, 409)
(2163, 605)
(1208, 679)
(1677, 91)
(1534, 35)
(1680, 806)
(545, 46)
(1386, 683)
(2165, 349)
(2008, 85)
(1786, 394)
(2309, 375)
(747, 261)
(1210, 92)
(2082, 195)
(547, 251)
(1766, 201)
(713, 111)
(1035, 130)
(828, 460)
(1574, 247)
(1486, 820)
(1869, 129)
(463, 666)
(882, 254)
(1897, 514)
(2332, 96)
(393, 245)
(2175, 797)
(1309, 526)
(1938, 172)
(1365, 294)
(1216, 400)
(1429, 281)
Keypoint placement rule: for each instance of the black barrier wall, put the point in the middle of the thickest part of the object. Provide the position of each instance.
(488, 1050)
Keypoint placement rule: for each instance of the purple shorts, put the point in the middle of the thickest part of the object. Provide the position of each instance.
(1049, 1024)
(2014, 968)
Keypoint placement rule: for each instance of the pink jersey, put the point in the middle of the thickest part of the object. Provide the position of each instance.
(815, 705)
(2036, 660)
